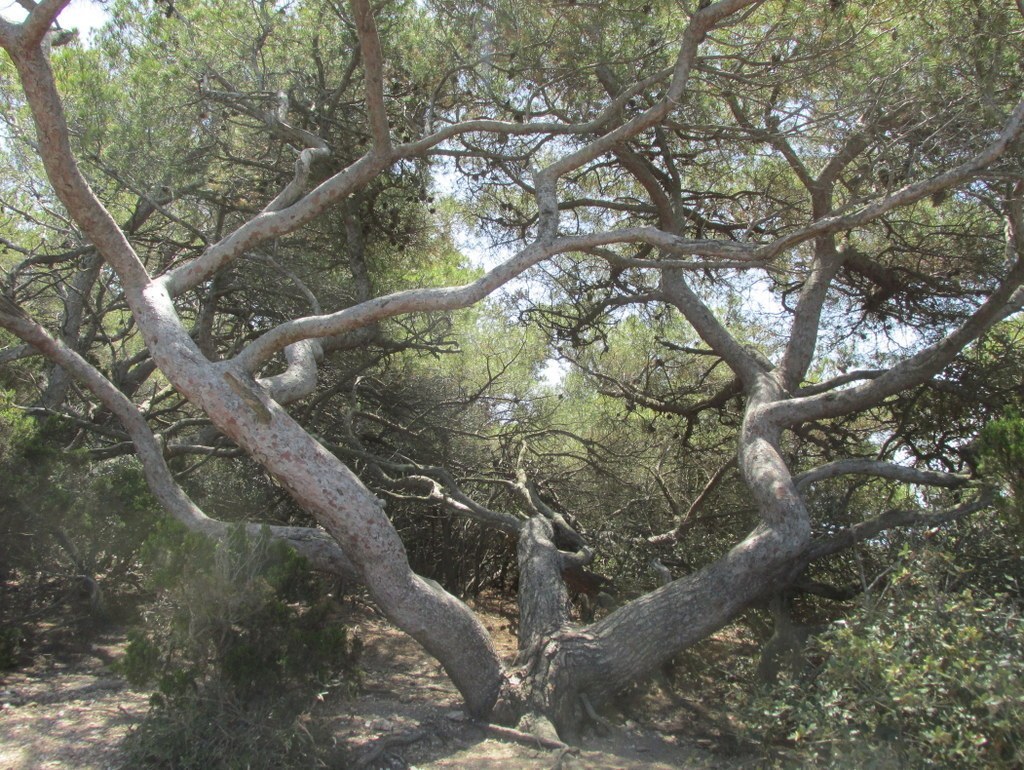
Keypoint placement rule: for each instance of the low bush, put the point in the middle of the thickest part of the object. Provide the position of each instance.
(238, 657)
(919, 678)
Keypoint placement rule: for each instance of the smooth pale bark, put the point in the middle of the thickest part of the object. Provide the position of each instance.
(882, 470)
(318, 481)
(559, 664)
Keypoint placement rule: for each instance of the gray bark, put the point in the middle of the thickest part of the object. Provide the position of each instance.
(563, 670)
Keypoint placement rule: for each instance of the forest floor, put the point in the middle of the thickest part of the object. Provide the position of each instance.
(69, 709)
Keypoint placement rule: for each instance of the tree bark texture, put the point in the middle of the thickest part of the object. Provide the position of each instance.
(563, 669)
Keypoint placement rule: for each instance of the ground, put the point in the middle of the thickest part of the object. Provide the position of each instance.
(68, 709)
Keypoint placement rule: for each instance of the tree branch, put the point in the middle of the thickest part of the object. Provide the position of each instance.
(880, 469)
(373, 66)
(457, 297)
(891, 519)
(314, 544)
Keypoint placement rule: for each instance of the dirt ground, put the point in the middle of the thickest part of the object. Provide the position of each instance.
(71, 711)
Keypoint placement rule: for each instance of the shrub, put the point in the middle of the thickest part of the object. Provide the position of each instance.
(70, 528)
(237, 660)
(923, 678)
(11, 638)
(1001, 450)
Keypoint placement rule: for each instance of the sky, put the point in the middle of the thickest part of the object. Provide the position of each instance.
(85, 15)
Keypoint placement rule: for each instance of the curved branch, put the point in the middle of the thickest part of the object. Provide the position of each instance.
(881, 469)
(710, 329)
(1006, 300)
(298, 380)
(457, 297)
(694, 34)
(314, 544)
(269, 224)
(911, 193)
(54, 149)
(890, 520)
(39, 21)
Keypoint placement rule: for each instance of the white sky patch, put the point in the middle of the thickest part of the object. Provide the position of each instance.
(84, 15)
(554, 372)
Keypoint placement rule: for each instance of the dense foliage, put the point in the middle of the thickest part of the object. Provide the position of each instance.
(724, 294)
(926, 673)
(237, 661)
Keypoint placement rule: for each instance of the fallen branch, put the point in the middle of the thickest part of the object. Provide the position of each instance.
(520, 737)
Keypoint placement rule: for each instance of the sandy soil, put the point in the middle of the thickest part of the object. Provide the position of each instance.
(71, 712)
(68, 712)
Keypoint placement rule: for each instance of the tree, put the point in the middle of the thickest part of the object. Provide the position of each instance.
(853, 169)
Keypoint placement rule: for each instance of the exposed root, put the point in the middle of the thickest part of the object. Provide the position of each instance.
(603, 725)
(388, 742)
(565, 759)
(523, 738)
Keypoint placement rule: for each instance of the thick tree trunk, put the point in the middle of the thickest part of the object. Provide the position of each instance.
(318, 481)
(565, 665)
(328, 489)
(543, 597)
(564, 669)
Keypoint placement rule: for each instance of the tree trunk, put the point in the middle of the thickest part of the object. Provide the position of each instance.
(317, 480)
(564, 665)
(327, 488)
(564, 670)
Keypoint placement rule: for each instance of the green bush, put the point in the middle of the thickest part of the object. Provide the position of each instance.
(16, 428)
(923, 678)
(237, 660)
(66, 521)
(1001, 450)
(11, 638)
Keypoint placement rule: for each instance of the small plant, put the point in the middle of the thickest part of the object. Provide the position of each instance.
(11, 638)
(236, 658)
(1001, 449)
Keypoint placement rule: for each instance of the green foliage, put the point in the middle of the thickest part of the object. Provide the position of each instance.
(236, 661)
(1001, 447)
(64, 520)
(921, 678)
(16, 428)
(11, 638)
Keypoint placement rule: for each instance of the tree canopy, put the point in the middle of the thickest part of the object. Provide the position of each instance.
(691, 297)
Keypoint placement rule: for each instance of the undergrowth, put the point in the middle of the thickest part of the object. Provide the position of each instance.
(238, 662)
(920, 676)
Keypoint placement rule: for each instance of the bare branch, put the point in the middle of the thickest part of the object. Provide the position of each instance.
(684, 521)
(911, 193)
(456, 297)
(39, 21)
(710, 329)
(373, 65)
(880, 469)
(1006, 300)
(892, 519)
(692, 37)
(55, 152)
(843, 379)
(804, 332)
(269, 224)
